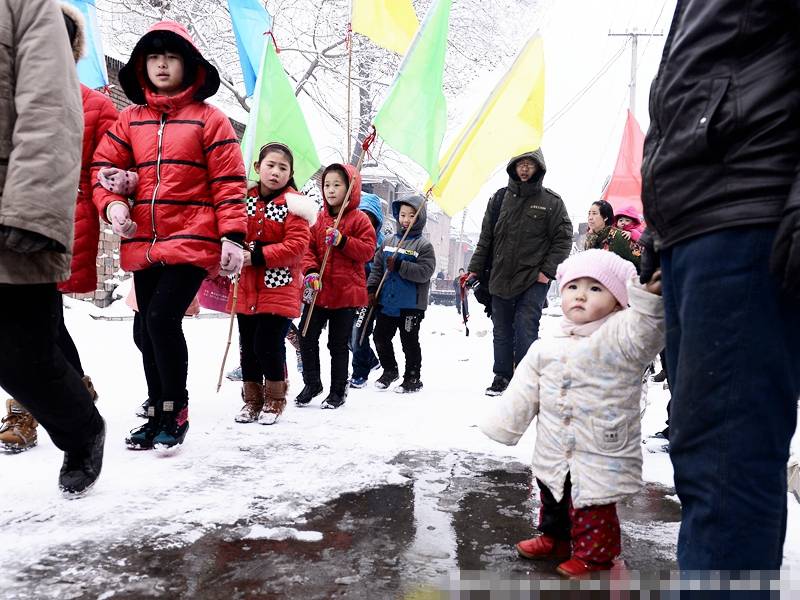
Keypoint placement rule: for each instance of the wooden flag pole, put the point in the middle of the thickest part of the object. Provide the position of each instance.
(230, 330)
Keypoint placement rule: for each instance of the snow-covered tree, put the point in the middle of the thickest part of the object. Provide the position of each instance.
(311, 36)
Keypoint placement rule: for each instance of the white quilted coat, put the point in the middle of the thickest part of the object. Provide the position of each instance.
(586, 393)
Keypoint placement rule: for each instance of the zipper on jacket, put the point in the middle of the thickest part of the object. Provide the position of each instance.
(158, 184)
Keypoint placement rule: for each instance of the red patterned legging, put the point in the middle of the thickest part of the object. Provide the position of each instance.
(593, 530)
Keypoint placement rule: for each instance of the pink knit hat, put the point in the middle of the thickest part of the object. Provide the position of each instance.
(606, 267)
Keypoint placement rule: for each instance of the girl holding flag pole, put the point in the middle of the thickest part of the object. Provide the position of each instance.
(341, 288)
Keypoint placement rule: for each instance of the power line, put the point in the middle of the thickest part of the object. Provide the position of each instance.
(574, 100)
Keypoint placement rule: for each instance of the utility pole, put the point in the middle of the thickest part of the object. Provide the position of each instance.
(634, 36)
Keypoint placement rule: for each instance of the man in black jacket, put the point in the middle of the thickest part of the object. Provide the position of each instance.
(527, 240)
(721, 192)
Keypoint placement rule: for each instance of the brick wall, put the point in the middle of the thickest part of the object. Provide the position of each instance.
(108, 270)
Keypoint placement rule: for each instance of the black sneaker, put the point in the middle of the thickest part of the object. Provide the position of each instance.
(386, 378)
(308, 393)
(81, 468)
(335, 399)
(498, 386)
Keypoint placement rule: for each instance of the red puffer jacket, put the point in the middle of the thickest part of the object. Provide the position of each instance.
(278, 229)
(191, 175)
(344, 282)
(98, 115)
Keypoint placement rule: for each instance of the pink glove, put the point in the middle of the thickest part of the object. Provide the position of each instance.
(232, 258)
(333, 237)
(120, 216)
(118, 181)
(312, 282)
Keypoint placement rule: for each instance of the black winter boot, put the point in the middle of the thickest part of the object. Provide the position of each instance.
(411, 383)
(386, 378)
(141, 438)
(336, 397)
(308, 393)
(174, 425)
(81, 467)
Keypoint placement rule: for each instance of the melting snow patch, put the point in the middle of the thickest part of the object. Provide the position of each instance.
(259, 532)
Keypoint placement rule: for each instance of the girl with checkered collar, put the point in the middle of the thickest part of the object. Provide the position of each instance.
(270, 288)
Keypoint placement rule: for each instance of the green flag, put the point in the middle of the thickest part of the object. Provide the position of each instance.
(276, 117)
(413, 117)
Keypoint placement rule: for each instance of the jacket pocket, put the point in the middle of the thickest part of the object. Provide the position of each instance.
(709, 116)
(610, 436)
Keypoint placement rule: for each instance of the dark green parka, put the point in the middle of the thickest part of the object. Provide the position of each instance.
(533, 233)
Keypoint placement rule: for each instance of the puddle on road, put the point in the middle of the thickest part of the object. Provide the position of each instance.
(458, 512)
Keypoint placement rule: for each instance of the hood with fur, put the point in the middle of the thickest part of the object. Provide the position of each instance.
(79, 43)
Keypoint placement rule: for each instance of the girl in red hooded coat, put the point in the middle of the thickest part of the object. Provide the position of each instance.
(271, 282)
(187, 218)
(342, 287)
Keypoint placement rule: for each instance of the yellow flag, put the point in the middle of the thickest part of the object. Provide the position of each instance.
(389, 23)
(509, 123)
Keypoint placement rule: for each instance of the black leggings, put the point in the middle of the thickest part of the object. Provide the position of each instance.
(262, 346)
(163, 293)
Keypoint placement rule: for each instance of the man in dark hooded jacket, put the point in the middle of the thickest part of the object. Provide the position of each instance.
(721, 191)
(525, 237)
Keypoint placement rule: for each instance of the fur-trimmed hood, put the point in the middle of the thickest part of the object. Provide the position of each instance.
(79, 43)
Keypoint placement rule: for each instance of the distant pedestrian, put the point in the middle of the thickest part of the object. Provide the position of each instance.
(462, 296)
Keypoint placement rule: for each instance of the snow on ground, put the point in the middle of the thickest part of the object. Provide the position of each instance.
(227, 472)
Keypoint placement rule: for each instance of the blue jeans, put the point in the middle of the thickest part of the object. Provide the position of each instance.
(516, 326)
(364, 358)
(733, 355)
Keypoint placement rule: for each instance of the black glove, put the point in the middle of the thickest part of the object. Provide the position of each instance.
(23, 241)
(785, 260)
(471, 280)
(651, 260)
(371, 301)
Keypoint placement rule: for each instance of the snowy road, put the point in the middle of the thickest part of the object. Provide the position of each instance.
(388, 493)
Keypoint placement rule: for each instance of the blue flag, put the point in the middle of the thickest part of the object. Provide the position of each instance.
(250, 21)
(92, 67)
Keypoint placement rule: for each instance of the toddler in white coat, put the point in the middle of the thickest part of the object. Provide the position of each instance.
(585, 385)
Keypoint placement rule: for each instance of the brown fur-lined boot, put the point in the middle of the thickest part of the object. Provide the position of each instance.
(275, 402)
(253, 396)
(18, 431)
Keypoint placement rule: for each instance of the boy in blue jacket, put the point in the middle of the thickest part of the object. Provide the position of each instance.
(404, 295)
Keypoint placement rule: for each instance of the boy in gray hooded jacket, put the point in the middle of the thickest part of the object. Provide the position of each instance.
(404, 295)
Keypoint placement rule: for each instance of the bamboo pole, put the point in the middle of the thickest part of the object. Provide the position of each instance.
(348, 157)
(230, 330)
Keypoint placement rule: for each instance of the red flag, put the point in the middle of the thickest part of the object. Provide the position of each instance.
(625, 187)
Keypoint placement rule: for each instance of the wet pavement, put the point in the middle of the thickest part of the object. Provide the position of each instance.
(456, 512)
